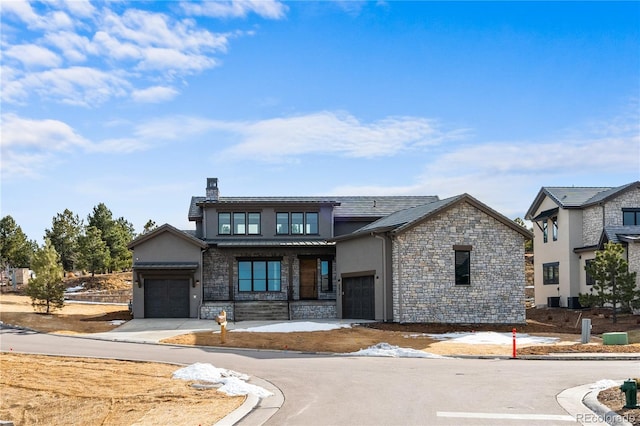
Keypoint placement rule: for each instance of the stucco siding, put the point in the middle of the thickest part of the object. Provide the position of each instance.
(424, 287)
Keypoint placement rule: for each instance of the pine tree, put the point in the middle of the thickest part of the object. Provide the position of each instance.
(64, 233)
(614, 284)
(94, 253)
(46, 290)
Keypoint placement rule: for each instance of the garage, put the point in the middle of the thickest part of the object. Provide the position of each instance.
(166, 298)
(358, 301)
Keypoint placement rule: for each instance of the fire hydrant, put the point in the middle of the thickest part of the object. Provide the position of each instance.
(630, 389)
(221, 319)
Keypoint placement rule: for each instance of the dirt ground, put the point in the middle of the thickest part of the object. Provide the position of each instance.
(47, 390)
(38, 396)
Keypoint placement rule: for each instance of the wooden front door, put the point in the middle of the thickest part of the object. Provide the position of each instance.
(308, 279)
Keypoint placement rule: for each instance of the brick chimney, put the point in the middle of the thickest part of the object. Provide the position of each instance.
(212, 189)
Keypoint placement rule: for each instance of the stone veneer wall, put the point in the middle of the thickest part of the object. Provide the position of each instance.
(633, 256)
(591, 225)
(313, 309)
(220, 269)
(210, 310)
(426, 272)
(592, 216)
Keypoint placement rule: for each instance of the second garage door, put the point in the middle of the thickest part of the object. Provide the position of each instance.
(166, 298)
(358, 301)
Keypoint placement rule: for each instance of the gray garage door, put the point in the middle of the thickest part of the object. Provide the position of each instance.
(358, 301)
(166, 298)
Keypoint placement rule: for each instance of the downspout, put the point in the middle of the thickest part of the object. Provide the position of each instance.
(384, 274)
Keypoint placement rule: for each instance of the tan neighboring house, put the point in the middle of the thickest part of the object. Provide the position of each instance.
(570, 225)
(384, 258)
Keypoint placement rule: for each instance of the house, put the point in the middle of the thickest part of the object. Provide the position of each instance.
(571, 224)
(386, 258)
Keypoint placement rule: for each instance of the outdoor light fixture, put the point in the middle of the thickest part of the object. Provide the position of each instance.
(195, 283)
(139, 283)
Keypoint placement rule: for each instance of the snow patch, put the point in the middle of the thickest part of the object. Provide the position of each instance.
(491, 338)
(231, 382)
(387, 350)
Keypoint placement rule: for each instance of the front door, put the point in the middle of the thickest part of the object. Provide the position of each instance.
(308, 279)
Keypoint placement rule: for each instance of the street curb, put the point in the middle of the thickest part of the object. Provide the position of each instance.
(581, 402)
(611, 417)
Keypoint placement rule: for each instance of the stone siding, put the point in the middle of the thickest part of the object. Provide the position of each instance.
(593, 215)
(424, 287)
(591, 225)
(210, 310)
(310, 309)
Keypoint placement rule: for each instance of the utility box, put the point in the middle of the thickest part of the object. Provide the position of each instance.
(586, 330)
(618, 338)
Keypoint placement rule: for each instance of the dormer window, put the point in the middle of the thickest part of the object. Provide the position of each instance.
(630, 217)
(238, 223)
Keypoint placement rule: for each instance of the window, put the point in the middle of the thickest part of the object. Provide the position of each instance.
(239, 223)
(311, 223)
(259, 275)
(463, 267)
(254, 223)
(589, 278)
(554, 228)
(630, 217)
(282, 223)
(224, 223)
(551, 273)
(326, 276)
(297, 223)
(545, 231)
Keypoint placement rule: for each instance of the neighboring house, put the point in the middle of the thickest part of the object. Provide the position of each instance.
(571, 224)
(386, 258)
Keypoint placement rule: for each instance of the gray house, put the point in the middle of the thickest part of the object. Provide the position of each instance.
(394, 258)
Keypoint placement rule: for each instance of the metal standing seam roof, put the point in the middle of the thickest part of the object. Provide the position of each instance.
(344, 206)
(269, 243)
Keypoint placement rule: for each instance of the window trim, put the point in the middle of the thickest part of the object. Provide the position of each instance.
(249, 224)
(554, 279)
(306, 223)
(286, 227)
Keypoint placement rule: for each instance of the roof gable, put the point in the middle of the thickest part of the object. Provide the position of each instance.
(403, 220)
(170, 229)
(577, 197)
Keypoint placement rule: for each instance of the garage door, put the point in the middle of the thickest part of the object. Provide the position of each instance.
(358, 301)
(166, 298)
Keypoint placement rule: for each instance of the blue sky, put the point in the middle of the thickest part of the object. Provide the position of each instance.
(135, 104)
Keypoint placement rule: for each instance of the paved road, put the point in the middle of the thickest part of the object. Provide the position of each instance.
(339, 390)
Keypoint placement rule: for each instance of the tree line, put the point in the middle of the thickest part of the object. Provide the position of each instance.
(98, 245)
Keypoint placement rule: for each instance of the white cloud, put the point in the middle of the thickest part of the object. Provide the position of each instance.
(333, 133)
(81, 86)
(269, 9)
(52, 135)
(31, 55)
(118, 50)
(154, 94)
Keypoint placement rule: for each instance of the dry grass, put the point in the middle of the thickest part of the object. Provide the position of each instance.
(73, 391)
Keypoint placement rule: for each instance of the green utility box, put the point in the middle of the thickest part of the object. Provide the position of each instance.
(620, 338)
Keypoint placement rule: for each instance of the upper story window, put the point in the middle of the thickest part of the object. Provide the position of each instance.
(630, 217)
(238, 223)
(297, 223)
(545, 231)
(224, 223)
(554, 229)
